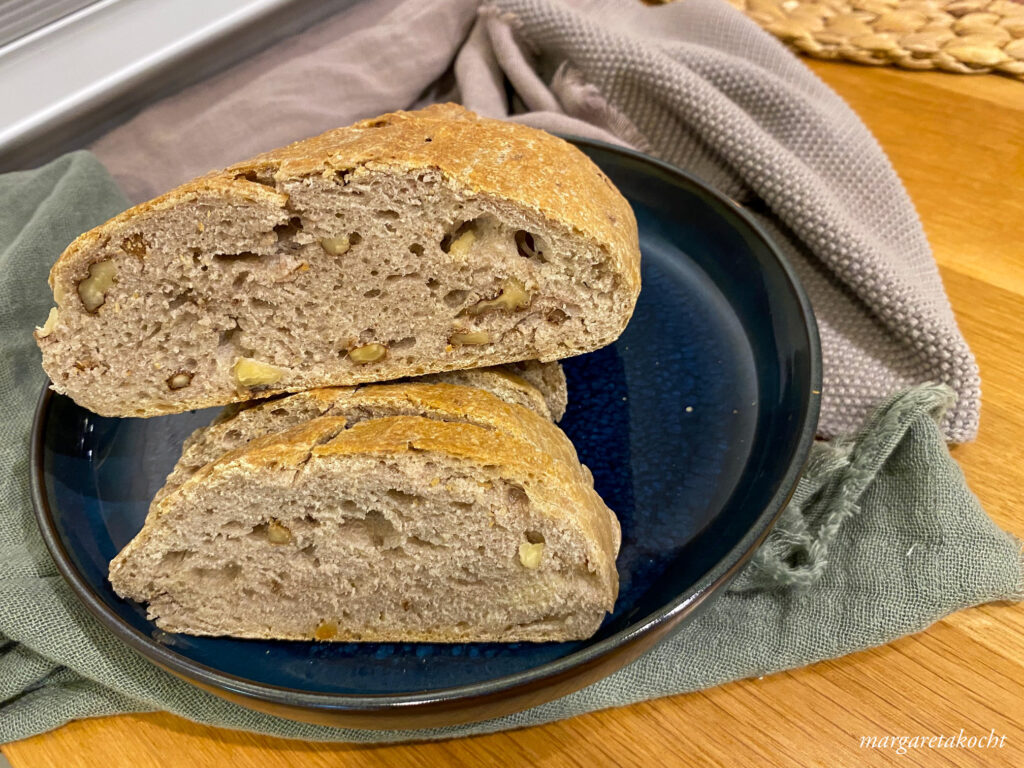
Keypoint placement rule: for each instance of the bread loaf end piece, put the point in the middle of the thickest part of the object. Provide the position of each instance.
(396, 529)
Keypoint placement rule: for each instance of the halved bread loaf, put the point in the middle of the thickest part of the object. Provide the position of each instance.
(413, 243)
(240, 424)
(473, 521)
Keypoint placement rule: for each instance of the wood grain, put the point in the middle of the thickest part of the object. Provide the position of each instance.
(958, 143)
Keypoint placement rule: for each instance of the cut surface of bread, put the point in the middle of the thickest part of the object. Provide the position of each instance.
(239, 425)
(450, 526)
(410, 244)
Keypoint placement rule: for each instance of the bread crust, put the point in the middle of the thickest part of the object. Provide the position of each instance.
(443, 400)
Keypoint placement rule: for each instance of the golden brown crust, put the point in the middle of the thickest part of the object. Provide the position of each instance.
(481, 156)
(451, 402)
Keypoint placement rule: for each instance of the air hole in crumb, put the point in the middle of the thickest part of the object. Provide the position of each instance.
(231, 336)
(354, 238)
(279, 412)
(243, 256)
(180, 300)
(405, 343)
(517, 496)
(174, 558)
(372, 294)
(225, 573)
(255, 178)
(427, 140)
(556, 316)
(379, 527)
(433, 284)
(393, 215)
(374, 272)
(286, 232)
(135, 245)
(452, 236)
(455, 298)
(240, 279)
(528, 246)
(416, 249)
(535, 537)
(401, 496)
(418, 542)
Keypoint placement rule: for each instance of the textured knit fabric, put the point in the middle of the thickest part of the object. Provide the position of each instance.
(695, 83)
(882, 538)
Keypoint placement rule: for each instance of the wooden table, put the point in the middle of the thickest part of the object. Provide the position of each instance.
(958, 143)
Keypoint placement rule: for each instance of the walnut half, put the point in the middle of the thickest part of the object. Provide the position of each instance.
(49, 325)
(336, 245)
(179, 380)
(93, 289)
(473, 337)
(278, 533)
(513, 296)
(461, 245)
(368, 353)
(253, 373)
(530, 554)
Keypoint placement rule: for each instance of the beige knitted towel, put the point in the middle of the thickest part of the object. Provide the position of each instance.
(695, 83)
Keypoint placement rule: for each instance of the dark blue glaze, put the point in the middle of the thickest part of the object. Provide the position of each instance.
(694, 424)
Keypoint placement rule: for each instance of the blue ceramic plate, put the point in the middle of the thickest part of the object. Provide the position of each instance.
(695, 424)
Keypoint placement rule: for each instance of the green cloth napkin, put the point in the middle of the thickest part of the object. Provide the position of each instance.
(882, 538)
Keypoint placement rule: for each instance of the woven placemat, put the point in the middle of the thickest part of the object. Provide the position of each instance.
(967, 36)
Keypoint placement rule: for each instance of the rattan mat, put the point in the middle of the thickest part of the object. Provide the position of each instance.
(967, 36)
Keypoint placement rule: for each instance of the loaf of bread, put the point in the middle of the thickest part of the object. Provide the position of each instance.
(409, 244)
(458, 518)
(241, 423)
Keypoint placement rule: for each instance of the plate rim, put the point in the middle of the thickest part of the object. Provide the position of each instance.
(671, 614)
